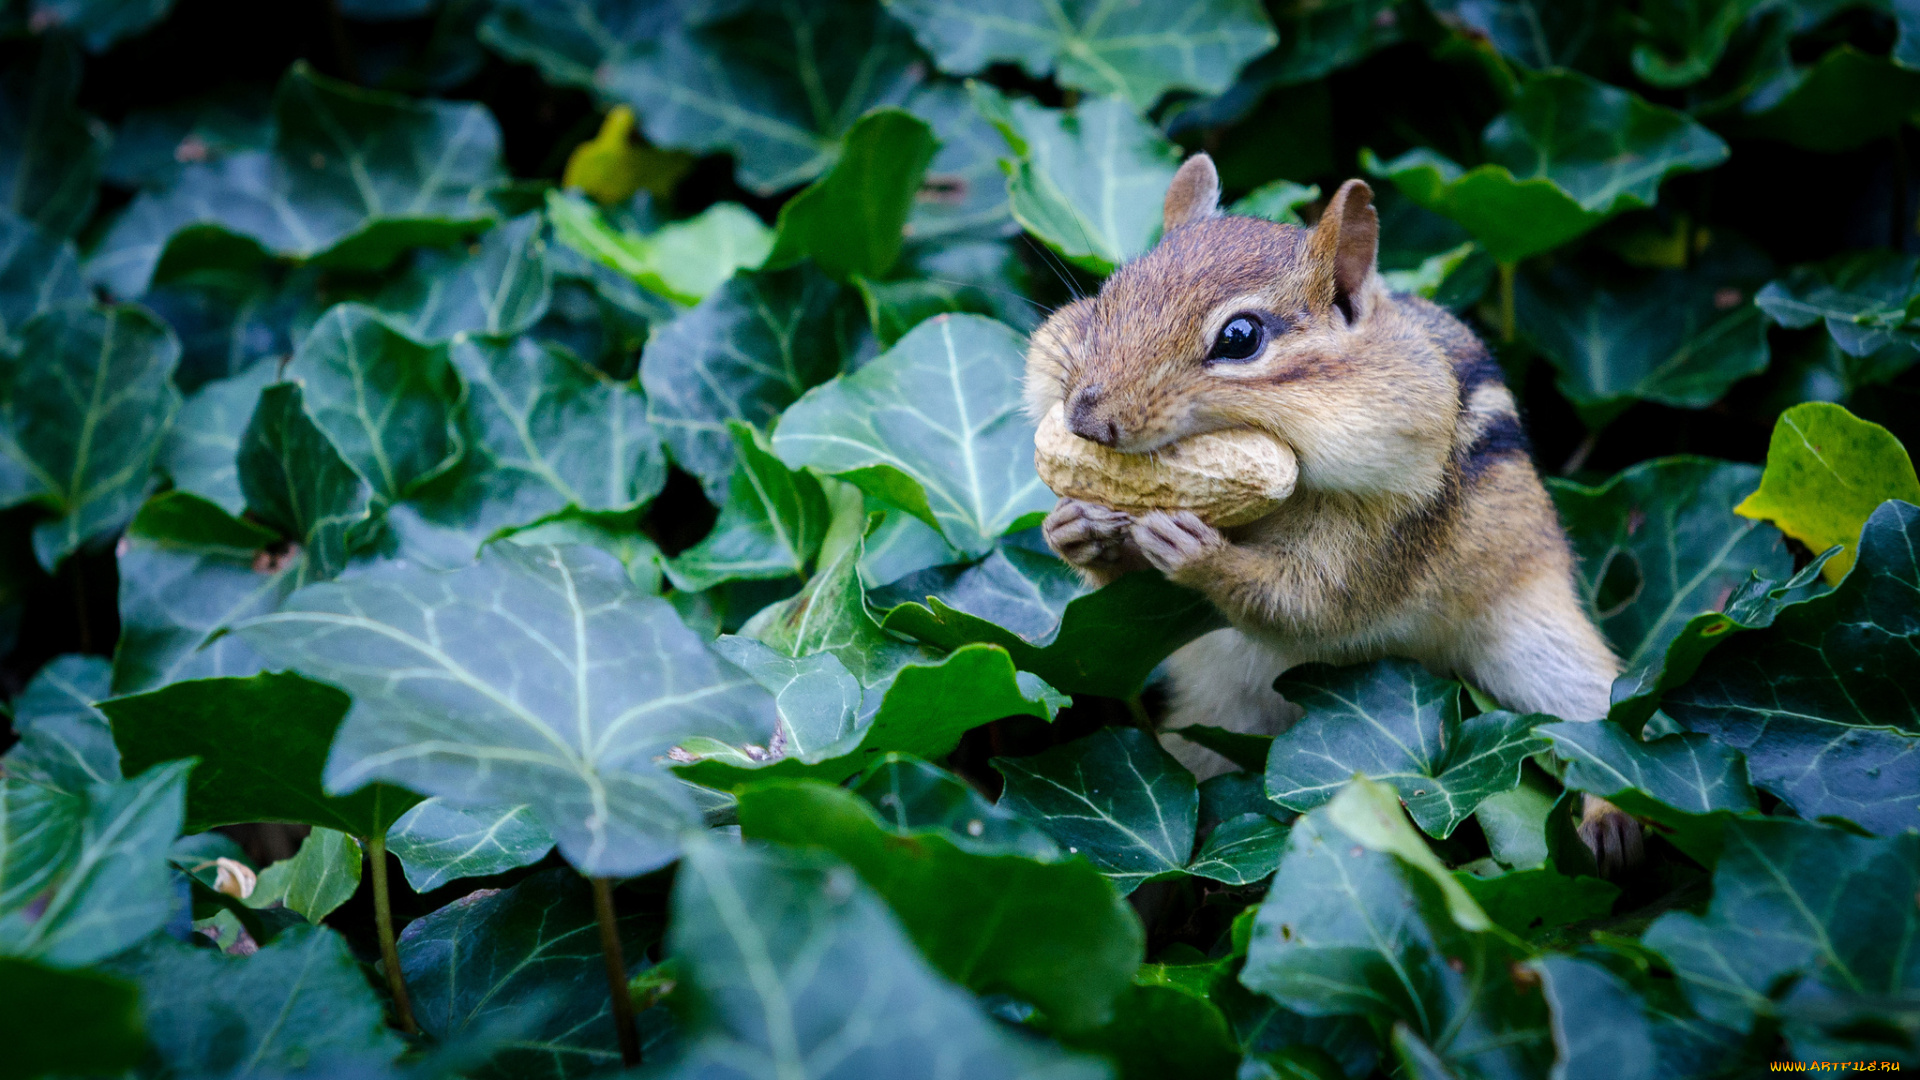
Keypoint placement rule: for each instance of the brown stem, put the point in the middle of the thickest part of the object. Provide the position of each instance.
(616, 972)
(383, 924)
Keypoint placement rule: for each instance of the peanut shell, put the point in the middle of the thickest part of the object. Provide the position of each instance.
(1225, 477)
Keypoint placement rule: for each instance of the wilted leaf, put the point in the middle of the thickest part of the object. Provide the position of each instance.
(262, 743)
(745, 353)
(1827, 472)
(1090, 182)
(1115, 797)
(1055, 934)
(851, 221)
(105, 859)
(1135, 51)
(83, 408)
(1659, 543)
(527, 960)
(437, 843)
(1393, 721)
(777, 85)
(770, 526)
(65, 743)
(299, 1001)
(501, 285)
(68, 1023)
(1822, 701)
(839, 982)
(321, 876)
(935, 425)
(538, 675)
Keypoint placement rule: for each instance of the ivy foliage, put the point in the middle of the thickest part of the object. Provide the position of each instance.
(520, 551)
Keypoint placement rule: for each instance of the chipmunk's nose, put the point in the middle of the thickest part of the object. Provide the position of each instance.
(1084, 420)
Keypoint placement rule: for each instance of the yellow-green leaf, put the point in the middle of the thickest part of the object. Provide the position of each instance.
(1826, 472)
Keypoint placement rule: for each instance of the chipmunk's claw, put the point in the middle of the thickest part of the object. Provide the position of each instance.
(1175, 541)
(1087, 534)
(1615, 837)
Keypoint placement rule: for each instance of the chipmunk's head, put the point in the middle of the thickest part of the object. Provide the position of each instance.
(1242, 322)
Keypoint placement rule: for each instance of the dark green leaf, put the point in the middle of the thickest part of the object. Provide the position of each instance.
(770, 526)
(50, 151)
(1115, 797)
(1659, 543)
(301, 1000)
(964, 190)
(262, 743)
(1682, 40)
(65, 743)
(1604, 1028)
(981, 276)
(1395, 722)
(830, 614)
(1162, 1031)
(82, 411)
(1137, 51)
(354, 178)
(570, 39)
(100, 23)
(538, 675)
(1674, 780)
(201, 453)
(384, 400)
(935, 425)
(527, 959)
(818, 698)
(500, 285)
(1845, 99)
(67, 1023)
(321, 876)
(851, 221)
(1822, 701)
(230, 318)
(1792, 901)
(1371, 924)
(437, 843)
(1677, 337)
(110, 882)
(40, 832)
(796, 964)
(1054, 934)
(776, 85)
(1241, 850)
(1090, 182)
(1539, 898)
(1861, 296)
(1537, 33)
(38, 272)
(913, 796)
(745, 353)
(1096, 641)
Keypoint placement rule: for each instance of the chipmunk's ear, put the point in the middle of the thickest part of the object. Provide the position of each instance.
(1194, 194)
(1344, 245)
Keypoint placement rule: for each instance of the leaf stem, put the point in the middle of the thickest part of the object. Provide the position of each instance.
(1506, 300)
(383, 924)
(1138, 710)
(616, 972)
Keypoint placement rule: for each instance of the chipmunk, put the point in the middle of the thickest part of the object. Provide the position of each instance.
(1418, 528)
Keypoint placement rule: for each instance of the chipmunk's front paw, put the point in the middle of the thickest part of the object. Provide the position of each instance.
(1613, 835)
(1176, 542)
(1089, 535)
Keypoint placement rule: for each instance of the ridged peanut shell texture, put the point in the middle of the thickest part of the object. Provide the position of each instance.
(1225, 477)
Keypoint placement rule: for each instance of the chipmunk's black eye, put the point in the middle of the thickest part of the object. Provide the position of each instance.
(1240, 339)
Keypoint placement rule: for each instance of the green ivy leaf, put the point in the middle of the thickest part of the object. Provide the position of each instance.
(355, 177)
(934, 424)
(384, 400)
(1537, 33)
(851, 221)
(1568, 153)
(1676, 337)
(528, 959)
(1821, 701)
(1604, 1025)
(912, 796)
(38, 272)
(1278, 200)
(569, 40)
(568, 683)
(1115, 797)
(499, 286)
(1057, 935)
(745, 353)
(1539, 898)
(100, 23)
(65, 743)
(1104, 641)
(1675, 780)
(1843, 100)
(1089, 182)
(83, 408)
(50, 151)
(1658, 543)
(262, 742)
(684, 261)
(984, 277)
(437, 843)
(296, 481)
(1793, 901)
(69, 1023)
(1160, 1029)
(1681, 43)
(104, 882)
(301, 1000)
(830, 614)
(202, 451)
(777, 85)
(1827, 472)
(811, 927)
(1134, 52)
(1393, 721)
(964, 191)
(321, 876)
(1389, 934)
(1862, 297)
(771, 525)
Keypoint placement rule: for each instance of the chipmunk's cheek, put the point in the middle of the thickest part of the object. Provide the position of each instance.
(1177, 542)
